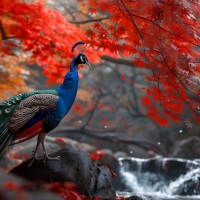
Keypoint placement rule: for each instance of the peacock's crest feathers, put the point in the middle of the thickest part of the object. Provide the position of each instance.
(76, 44)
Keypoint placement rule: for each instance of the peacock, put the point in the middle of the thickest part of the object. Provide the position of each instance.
(38, 112)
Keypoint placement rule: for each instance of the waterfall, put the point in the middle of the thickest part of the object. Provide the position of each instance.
(160, 178)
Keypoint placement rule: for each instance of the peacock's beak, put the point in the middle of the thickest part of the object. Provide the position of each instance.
(87, 63)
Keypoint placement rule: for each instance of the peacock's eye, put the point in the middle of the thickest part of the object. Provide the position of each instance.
(14, 101)
(17, 98)
(7, 110)
(9, 104)
(81, 57)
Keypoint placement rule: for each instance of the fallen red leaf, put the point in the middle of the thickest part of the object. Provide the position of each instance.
(118, 118)
(11, 185)
(118, 86)
(96, 157)
(101, 106)
(122, 78)
(106, 121)
(153, 149)
(60, 140)
(126, 124)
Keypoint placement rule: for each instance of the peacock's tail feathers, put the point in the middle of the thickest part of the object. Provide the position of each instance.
(5, 142)
(6, 110)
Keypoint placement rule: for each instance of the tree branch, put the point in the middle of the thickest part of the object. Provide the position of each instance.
(112, 137)
(118, 60)
(92, 111)
(132, 20)
(2, 31)
(89, 20)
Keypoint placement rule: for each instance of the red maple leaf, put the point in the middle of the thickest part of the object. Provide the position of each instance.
(101, 106)
(126, 123)
(146, 101)
(122, 78)
(60, 139)
(188, 123)
(153, 149)
(118, 118)
(11, 185)
(106, 121)
(118, 86)
(98, 156)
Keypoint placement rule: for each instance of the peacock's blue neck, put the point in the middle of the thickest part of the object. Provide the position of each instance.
(68, 90)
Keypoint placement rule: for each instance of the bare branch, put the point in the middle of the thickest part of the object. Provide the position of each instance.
(132, 20)
(109, 136)
(89, 20)
(118, 60)
(2, 32)
(92, 111)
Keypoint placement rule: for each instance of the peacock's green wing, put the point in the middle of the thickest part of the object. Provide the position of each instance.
(7, 109)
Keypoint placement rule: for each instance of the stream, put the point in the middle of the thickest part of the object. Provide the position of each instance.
(159, 178)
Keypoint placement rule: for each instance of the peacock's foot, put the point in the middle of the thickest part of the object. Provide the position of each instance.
(35, 158)
(46, 157)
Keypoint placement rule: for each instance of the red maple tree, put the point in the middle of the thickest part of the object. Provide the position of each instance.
(162, 36)
(42, 34)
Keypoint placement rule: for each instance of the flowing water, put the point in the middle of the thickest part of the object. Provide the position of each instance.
(160, 178)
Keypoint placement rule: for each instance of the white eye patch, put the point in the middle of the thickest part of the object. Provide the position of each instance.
(81, 57)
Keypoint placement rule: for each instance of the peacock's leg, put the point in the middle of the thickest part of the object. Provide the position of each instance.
(40, 139)
(35, 152)
(46, 155)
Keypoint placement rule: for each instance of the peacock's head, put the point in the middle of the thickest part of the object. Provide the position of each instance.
(80, 58)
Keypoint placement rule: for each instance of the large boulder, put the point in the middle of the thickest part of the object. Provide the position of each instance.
(76, 167)
(188, 148)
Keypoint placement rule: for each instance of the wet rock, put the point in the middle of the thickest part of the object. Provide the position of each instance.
(187, 148)
(110, 160)
(87, 147)
(133, 198)
(188, 187)
(69, 143)
(27, 150)
(63, 142)
(120, 154)
(7, 163)
(10, 183)
(107, 156)
(76, 167)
